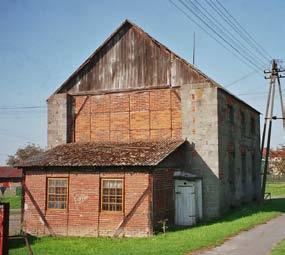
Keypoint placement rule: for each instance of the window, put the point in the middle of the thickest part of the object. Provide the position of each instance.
(252, 125)
(243, 168)
(231, 177)
(57, 193)
(242, 123)
(231, 113)
(253, 171)
(111, 195)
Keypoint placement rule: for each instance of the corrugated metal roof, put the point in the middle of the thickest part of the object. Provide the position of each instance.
(105, 154)
(10, 172)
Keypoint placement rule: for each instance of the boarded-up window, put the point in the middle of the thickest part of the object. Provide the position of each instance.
(231, 177)
(57, 191)
(231, 113)
(111, 195)
(252, 125)
(243, 167)
(253, 168)
(242, 123)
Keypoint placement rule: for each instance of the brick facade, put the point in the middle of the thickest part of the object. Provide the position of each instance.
(128, 116)
(83, 216)
(163, 197)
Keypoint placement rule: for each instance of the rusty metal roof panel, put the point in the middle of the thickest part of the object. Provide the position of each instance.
(104, 154)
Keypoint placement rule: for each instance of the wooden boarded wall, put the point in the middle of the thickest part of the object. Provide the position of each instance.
(132, 59)
(128, 116)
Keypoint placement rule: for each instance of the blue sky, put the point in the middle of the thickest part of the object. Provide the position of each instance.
(43, 42)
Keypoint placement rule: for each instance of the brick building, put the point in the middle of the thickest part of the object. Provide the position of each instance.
(132, 127)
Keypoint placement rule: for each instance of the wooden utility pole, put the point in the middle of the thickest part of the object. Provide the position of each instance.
(275, 74)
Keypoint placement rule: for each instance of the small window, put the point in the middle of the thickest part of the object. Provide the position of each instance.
(231, 113)
(57, 193)
(232, 175)
(253, 168)
(112, 195)
(252, 125)
(242, 123)
(243, 167)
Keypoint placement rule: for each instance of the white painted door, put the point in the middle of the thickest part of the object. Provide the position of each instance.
(185, 203)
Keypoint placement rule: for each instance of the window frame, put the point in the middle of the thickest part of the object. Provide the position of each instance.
(252, 125)
(47, 193)
(243, 168)
(253, 168)
(101, 194)
(232, 170)
(242, 123)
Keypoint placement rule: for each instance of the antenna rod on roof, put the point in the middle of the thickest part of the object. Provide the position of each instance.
(194, 48)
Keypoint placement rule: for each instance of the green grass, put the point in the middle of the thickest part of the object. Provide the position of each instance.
(15, 201)
(176, 242)
(276, 189)
(279, 249)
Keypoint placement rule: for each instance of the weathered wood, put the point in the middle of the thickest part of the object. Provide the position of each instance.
(131, 59)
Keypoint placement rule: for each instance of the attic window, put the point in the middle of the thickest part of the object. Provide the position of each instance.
(112, 195)
(57, 190)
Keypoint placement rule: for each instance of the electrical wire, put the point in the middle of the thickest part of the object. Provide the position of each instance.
(226, 32)
(21, 107)
(249, 61)
(241, 78)
(231, 18)
(208, 33)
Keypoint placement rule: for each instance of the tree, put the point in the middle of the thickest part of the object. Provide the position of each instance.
(23, 154)
(280, 166)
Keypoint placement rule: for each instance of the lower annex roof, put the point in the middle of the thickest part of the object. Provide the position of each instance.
(104, 154)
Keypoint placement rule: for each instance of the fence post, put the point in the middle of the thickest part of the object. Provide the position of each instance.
(4, 228)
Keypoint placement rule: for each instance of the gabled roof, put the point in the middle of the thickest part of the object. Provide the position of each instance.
(104, 154)
(131, 24)
(126, 23)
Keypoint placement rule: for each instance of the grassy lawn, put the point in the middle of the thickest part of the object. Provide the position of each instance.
(276, 189)
(279, 249)
(15, 201)
(175, 242)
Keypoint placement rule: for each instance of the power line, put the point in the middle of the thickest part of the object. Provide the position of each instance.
(208, 33)
(21, 107)
(249, 61)
(255, 93)
(244, 31)
(241, 78)
(225, 31)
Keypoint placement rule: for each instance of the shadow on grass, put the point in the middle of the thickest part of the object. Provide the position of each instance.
(274, 205)
(20, 242)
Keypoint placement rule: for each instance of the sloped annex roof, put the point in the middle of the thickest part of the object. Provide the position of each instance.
(7, 172)
(129, 23)
(104, 154)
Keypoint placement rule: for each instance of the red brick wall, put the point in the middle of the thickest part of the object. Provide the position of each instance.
(83, 216)
(128, 116)
(163, 196)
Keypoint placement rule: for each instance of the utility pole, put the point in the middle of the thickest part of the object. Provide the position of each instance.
(275, 74)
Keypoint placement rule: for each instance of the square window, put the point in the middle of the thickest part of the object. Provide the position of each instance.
(57, 193)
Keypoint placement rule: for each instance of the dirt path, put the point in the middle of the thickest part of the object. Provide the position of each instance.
(257, 241)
